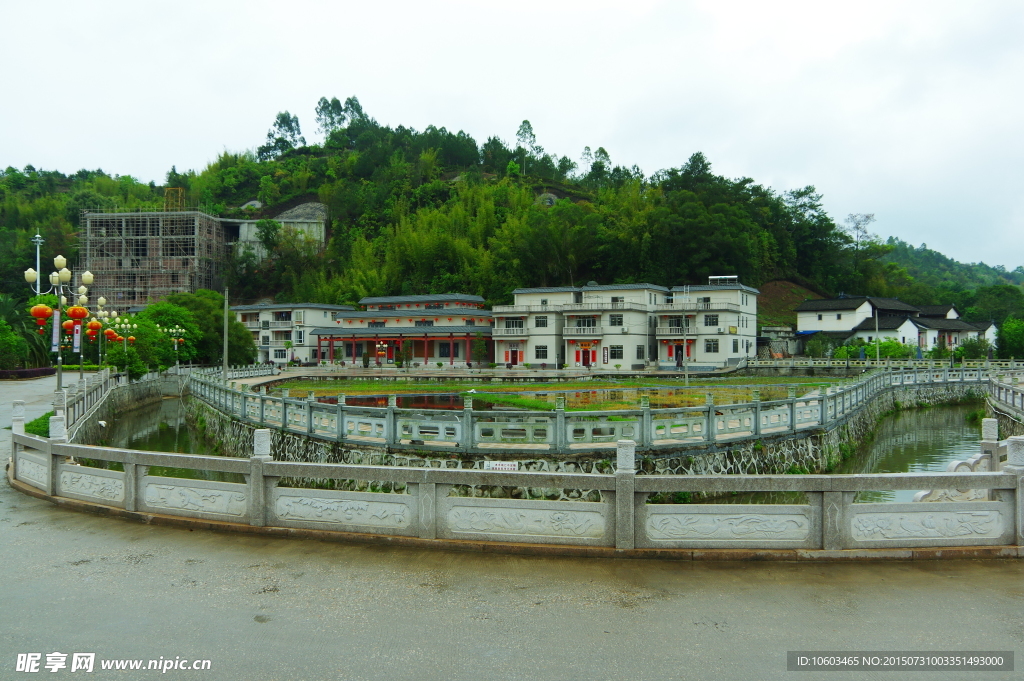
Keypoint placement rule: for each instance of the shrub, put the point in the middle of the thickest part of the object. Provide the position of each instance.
(40, 426)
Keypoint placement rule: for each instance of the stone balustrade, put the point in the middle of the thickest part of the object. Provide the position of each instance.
(426, 503)
(559, 431)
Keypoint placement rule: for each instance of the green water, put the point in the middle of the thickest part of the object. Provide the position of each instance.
(161, 428)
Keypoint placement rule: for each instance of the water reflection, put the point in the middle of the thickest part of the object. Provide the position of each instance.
(161, 427)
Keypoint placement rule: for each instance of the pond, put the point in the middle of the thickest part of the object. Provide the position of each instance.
(920, 440)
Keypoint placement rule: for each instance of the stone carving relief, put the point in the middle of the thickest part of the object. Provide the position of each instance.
(779, 527)
(109, 489)
(540, 523)
(195, 499)
(979, 463)
(974, 524)
(346, 511)
(30, 471)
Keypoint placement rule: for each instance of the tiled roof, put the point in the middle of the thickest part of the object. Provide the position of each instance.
(415, 331)
(434, 297)
(594, 287)
(853, 303)
(943, 324)
(289, 306)
(935, 310)
(886, 323)
(415, 312)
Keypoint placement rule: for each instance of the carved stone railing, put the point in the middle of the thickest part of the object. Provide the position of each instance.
(425, 502)
(559, 431)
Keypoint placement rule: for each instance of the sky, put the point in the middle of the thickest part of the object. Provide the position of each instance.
(906, 110)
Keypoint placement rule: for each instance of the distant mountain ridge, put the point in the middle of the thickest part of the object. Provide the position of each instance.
(932, 268)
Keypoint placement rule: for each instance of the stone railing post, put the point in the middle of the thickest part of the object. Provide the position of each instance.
(257, 483)
(990, 442)
(467, 424)
(1015, 466)
(711, 435)
(756, 402)
(58, 435)
(310, 401)
(18, 417)
(390, 425)
(59, 402)
(560, 439)
(791, 397)
(646, 422)
(340, 435)
(625, 493)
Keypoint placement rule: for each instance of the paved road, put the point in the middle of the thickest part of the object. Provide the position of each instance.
(262, 608)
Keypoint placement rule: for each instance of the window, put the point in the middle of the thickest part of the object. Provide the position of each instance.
(299, 337)
(735, 345)
(614, 320)
(280, 353)
(711, 320)
(325, 314)
(675, 322)
(639, 352)
(470, 322)
(839, 316)
(616, 299)
(586, 322)
(819, 318)
(445, 348)
(298, 317)
(540, 352)
(616, 352)
(425, 322)
(282, 316)
(266, 340)
(543, 301)
(541, 322)
(376, 325)
(710, 345)
(516, 323)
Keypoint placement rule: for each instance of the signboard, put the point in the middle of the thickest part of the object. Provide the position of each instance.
(604, 354)
(511, 466)
(56, 330)
(78, 337)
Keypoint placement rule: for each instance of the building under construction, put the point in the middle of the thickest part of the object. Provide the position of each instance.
(140, 258)
(144, 257)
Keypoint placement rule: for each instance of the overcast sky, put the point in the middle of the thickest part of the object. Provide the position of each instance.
(908, 110)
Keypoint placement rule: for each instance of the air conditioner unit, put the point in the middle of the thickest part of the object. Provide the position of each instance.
(625, 330)
(721, 329)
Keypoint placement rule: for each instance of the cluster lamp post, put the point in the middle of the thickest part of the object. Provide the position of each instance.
(60, 286)
(175, 332)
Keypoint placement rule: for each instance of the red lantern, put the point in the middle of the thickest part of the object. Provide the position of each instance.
(68, 325)
(131, 339)
(94, 326)
(77, 312)
(181, 340)
(41, 313)
(119, 339)
(110, 334)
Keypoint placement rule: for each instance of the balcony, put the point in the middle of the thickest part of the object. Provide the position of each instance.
(588, 331)
(697, 307)
(676, 331)
(523, 309)
(598, 305)
(503, 332)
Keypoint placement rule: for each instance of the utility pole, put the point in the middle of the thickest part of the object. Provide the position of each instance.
(877, 347)
(38, 241)
(225, 333)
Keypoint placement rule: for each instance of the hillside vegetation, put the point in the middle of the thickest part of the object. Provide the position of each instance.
(436, 211)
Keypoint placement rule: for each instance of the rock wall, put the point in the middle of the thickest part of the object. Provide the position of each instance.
(121, 399)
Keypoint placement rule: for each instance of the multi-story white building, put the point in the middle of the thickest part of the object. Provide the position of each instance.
(629, 325)
(284, 332)
(709, 325)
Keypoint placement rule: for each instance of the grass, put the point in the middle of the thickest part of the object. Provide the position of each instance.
(39, 427)
(581, 395)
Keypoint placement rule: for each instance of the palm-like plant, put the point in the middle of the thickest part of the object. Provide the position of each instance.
(12, 310)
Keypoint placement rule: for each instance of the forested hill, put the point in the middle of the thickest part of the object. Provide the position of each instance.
(935, 269)
(436, 211)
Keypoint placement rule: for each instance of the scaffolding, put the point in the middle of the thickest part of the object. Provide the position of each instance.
(140, 258)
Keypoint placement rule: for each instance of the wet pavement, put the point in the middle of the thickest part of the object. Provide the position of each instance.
(266, 608)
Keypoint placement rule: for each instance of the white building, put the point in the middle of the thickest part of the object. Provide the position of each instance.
(629, 325)
(284, 332)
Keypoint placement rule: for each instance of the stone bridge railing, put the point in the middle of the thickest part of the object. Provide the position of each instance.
(928, 364)
(560, 431)
(432, 503)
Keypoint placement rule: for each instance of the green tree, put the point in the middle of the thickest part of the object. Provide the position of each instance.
(330, 115)
(207, 308)
(479, 348)
(1010, 338)
(13, 347)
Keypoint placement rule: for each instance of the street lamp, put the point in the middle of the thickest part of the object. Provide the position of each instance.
(60, 287)
(175, 332)
(382, 349)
